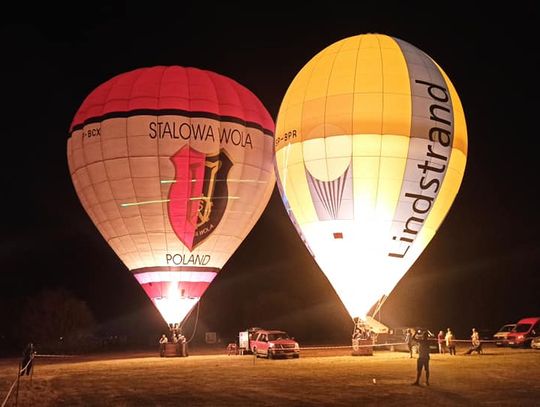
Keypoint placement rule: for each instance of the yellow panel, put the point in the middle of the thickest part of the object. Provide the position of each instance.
(396, 74)
(365, 184)
(337, 167)
(366, 145)
(339, 146)
(312, 118)
(319, 169)
(314, 149)
(386, 42)
(318, 83)
(343, 73)
(397, 89)
(367, 113)
(299, 202)
(370, 41)
(395, 146)
(300, 199)
(366, 168)
(390, 180)
(351, 43)
(368, 76)
(392, 169)
(327, 158)
(338, 115)
(332, 49)
(296, 92)
(397, 114)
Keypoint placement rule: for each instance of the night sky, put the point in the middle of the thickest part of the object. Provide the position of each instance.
(482, 269)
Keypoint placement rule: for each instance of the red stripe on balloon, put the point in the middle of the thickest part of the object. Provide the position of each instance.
(174, 87)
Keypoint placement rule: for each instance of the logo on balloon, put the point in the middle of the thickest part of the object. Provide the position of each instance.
(328, 196)
(199, 195)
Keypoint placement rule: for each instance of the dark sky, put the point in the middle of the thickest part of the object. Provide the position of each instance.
(482, 268)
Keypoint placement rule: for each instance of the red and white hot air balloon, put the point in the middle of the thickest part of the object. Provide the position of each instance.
(174, 166)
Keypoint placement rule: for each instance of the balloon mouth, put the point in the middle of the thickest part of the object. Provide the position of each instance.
(174, 309)
(174, 291)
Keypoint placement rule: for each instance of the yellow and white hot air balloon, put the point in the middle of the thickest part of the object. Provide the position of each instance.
(371, 147)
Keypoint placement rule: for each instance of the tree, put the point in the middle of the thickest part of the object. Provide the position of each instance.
(55, 319)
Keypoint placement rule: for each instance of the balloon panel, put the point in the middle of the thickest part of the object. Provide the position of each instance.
(371, 147)
(174, 167)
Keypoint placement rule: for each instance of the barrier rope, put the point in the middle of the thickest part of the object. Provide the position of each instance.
(375, 345)
(19, 374)
(350, 346)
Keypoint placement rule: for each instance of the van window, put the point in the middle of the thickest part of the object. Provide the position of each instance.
(507, 328)
(522, 327)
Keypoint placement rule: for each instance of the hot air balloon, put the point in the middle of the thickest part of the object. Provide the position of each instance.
(174, 166)
(371, 147)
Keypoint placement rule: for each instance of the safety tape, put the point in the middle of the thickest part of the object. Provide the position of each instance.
(350, 346)
(381, 345)
(15, 381)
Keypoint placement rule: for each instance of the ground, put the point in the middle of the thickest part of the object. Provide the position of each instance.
(329, 377)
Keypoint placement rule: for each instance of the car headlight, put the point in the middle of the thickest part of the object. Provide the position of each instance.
(296, 346)
(271, 345)
(520, 337)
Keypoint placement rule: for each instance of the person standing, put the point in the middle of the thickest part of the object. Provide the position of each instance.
(440, 341)
(28, 359)
(162, 344)
(423, 358)
(450, 344)
(409, 341)
(476, 346)
(475, 338)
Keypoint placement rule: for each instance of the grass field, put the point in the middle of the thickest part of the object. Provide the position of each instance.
(499, 377)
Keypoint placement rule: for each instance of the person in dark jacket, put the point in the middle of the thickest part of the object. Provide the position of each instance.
(423, 357)
(28, 359)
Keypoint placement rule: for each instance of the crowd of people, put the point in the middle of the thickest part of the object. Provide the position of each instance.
(446, 343)
(363, 333)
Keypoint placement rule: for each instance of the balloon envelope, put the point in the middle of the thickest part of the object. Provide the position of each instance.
(174, 166)
(371, 147)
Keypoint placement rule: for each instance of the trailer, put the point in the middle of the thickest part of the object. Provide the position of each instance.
(245, 338)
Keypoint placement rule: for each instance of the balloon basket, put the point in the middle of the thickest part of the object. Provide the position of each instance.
(175, 350)
(362, 347)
